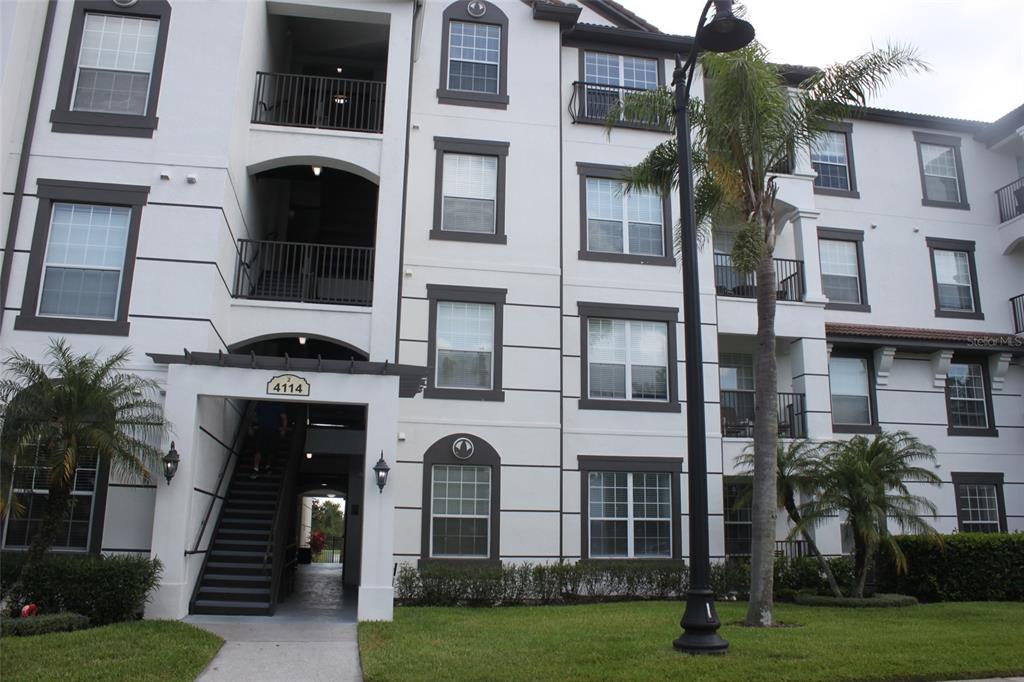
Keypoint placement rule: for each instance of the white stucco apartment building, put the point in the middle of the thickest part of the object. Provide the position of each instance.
(403, 222)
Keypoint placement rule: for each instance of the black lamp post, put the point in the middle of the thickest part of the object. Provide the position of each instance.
(725, 33)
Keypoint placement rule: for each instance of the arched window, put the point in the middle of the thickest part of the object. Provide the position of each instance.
(461, 490)
(474, 55)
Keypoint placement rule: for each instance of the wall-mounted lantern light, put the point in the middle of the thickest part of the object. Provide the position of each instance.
(381, 469)
(170, 463)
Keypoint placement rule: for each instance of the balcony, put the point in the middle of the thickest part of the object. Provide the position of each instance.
(285, 99)
(592, 102)
(1011, 200)
(1017, 303)
(302, 272)
(729, 281)
(738, 415)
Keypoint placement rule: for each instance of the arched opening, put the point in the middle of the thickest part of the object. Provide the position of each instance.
(313, 239)
(299, 345)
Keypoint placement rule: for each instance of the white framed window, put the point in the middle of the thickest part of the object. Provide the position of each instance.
(830, 159)
(851, 391)
(840, 270)
(84, 261)
(979, 508)
(941, 173)
(469, 193)
(460, 511)
(953, 281)
(465, 345)
(608, 77)
(623, 222)
(31, 485)
(627, 360)
(629, 514)
(965, 389)
(115, 64)
(474, 57)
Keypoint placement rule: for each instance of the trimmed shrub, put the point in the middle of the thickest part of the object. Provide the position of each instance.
(104, 589)
(878, 601)
(42, 624)
(964, 567)
(10, 569)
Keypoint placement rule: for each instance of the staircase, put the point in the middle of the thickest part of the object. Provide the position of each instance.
(237, 577)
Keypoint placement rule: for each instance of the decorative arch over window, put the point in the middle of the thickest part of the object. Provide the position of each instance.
(474, 55)
(461, 500)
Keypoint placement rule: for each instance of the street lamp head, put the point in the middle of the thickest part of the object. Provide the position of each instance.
(725, 32)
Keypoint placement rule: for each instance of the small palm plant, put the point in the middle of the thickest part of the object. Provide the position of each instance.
(797, 466)
(68, 409)
(867, 480)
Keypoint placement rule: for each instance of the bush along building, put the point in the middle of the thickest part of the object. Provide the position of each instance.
(400, 228)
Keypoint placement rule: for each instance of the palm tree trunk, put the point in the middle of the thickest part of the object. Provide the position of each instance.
(861, 562)
(812, 547)
(52, 523)
(862, 573)
(766, 435)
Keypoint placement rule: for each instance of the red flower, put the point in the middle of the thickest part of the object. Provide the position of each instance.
(29, 610)
(317, 541)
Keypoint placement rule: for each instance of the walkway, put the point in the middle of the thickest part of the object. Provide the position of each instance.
(311, 637)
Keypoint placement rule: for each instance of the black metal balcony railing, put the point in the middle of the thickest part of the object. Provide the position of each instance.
(592, 102)
(286, 99)
(738, 546)
(738, 415)
(310, 273)
(789, 279)
(1017, 303)
(1011, 200)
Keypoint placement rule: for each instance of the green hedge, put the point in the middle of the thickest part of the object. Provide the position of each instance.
(42, 624)
(964, 567)
(104, 589)
(877, 601)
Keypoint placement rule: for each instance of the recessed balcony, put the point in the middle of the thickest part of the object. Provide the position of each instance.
(287, 99)
(789, 279)
(738, 415)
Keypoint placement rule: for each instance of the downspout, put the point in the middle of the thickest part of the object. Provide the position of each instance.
(26, 150)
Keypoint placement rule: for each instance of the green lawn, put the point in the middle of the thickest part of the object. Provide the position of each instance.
(135, 652)
(633, 641)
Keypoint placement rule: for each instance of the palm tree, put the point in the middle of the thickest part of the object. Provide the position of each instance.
(798, 464)
(867, 481)
(65, 409)
(749, 125)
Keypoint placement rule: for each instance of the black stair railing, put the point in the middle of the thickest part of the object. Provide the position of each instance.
(288, 99)
(789, 279)
(304, 272)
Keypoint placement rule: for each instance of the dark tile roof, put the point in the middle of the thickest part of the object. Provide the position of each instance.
(934, 337)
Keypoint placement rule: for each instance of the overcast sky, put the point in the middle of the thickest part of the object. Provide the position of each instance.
(975, 48)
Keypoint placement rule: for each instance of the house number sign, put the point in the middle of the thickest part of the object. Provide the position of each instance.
(288, 384)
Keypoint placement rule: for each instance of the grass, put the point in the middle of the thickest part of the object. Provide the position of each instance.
(140, 651)
(633, 641)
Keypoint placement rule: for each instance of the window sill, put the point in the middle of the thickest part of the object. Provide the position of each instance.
(477, 237)
(831, 192)
(68, 325)
(849, 307)
(963, 315)
(492, 395)
(962, 205)
(980, 433)
(472, 99)
(628, 405)
(94, 123)
(626, 258)
(856, 428)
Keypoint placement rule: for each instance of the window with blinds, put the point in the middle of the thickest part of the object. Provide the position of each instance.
(953, 282)
(469, 190)
(850, 385)
(627, 359)
(941, 179)
(830, 160)
(840, 270)
(965, 391)
(465, 345)
(623, 222)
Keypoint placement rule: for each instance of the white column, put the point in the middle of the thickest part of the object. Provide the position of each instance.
(810, 377)
(805, 237)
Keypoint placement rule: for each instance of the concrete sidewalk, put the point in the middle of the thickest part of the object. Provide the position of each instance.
(277, 651)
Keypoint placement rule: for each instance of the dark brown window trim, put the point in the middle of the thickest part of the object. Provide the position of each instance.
(453, 145)
(459, 11)
(496, 297)
(669, 465)
(955, 245)
(945, 141)
(598, 170)
(632, 52)
(867, 356)
(67, 120)
(990, 431)
(670, 316)
(49, 192)
(979, 478)
(484, 454)
(847, 131)
(857, 236)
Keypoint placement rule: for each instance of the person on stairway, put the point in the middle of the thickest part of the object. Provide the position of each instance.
(266, 435)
